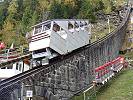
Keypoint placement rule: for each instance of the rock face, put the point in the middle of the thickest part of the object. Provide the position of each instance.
(106, 21)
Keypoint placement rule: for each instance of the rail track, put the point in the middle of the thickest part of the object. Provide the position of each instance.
(8, 84)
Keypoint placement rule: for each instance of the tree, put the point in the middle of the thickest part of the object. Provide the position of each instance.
(20, 10)
(56, 11)
(10, 21)
(44, 6)
(34, 18)
(10, 25)
(17, 16)
(27, 16)
(87, 11)
(3, 12)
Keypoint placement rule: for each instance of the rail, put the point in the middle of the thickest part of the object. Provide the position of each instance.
(49, 68)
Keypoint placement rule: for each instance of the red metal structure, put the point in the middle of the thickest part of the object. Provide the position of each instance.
(117, 64)
(105, 72)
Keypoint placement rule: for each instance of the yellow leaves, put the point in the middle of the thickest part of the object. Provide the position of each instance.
(7, 36)
(8, 31)
(94, 2)
(108, 10)
(107, 5)
(70, 2)
(118, 2)
(43, 4)
(12, 7)
(8, 25)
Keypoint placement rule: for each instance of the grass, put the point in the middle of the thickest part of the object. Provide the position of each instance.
(120, 88)
(89, 95)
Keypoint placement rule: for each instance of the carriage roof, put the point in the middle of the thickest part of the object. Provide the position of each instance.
(54, 20)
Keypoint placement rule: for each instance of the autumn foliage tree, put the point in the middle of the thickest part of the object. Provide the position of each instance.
(17, 16)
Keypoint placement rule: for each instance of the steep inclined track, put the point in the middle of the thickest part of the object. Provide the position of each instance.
(49, 68)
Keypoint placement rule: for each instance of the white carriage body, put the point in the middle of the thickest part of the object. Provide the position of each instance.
(13, 69)
(59, 36)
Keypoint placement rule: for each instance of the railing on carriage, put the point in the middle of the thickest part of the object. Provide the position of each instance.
(10, 54)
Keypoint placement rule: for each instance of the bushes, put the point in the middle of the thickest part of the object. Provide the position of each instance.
(17, 16)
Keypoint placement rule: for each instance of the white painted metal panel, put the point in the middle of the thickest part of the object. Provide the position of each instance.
(70, 43)
(26, 67)
(40, 44)
(74, 40)
(77, 35)
(6, 73)
(63, 34)
(57, 43)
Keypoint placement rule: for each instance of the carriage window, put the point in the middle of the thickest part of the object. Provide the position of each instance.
(47, 27)
(38, 29)
(3, 68)
(70, 26)
(9, 67)
(81, 24)
(76, 25)
(39, 51)
(17, 66)
(85, 23)
(56, 27)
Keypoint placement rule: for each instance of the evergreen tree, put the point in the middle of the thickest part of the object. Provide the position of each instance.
(17, 16)
(44, 6)
(87, 11)
(20, 10)
(27, 16)
(10, 24)
(3, 12)
(56, 11)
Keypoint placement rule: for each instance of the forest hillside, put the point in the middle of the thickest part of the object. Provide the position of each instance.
(17, 16)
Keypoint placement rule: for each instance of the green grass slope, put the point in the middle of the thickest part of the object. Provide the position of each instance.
(119, 88)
